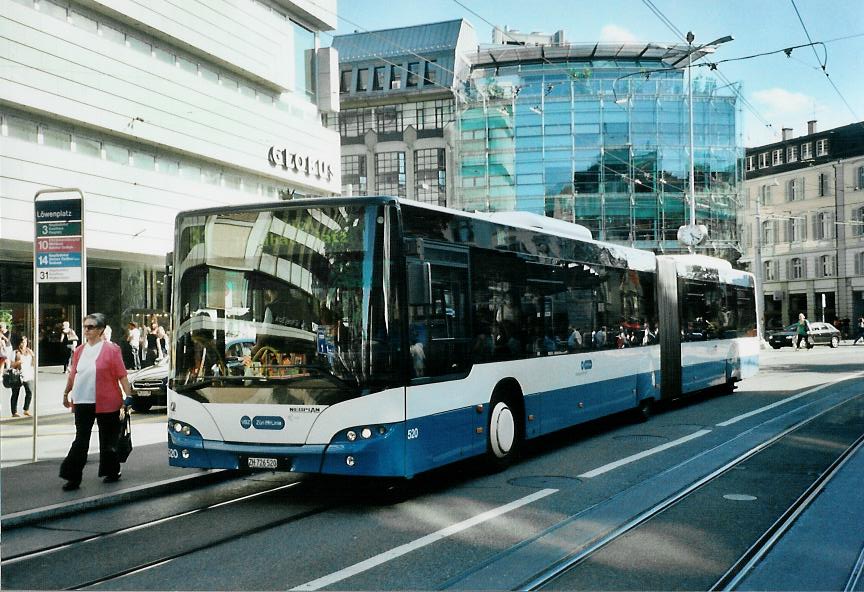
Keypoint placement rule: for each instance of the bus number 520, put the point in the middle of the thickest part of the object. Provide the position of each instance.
(413, 433)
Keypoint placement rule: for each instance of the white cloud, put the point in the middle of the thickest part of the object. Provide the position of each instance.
(781, 108)
(614, 34)
(781, 102)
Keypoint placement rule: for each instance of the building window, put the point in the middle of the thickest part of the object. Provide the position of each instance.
(824, 186)
(345, 81)
(751, 163)
(354, 175)
(390, 174)
(768, 271)
(793, 190)
(765, 195)
(430, 176)
(763, 160)
(824, 225)
(826, 266)
(858, 222)
(792, 154)
(797, 230)
(362, 79)
(796, 269)
(768, 232)
(431, 75)
(859, 183)
(859, 263)
(777, 157)
(806, 151)
(378, 79)
(395, 78)
(305, 75)
(388, 119)
(413, 74)
(822, 147)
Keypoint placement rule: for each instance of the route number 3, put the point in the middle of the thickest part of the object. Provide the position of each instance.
(413, 433)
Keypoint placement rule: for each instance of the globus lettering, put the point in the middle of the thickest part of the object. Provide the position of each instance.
(332, 331)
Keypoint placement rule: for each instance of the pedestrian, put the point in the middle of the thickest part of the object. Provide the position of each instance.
(23, 363)
(574, 341)
(151, 339)
(860, 333)
(134, 340)
(94, 390)
(68, 338)
(161, 344)
(803, 330)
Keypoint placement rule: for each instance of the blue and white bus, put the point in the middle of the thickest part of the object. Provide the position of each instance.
(377, 336)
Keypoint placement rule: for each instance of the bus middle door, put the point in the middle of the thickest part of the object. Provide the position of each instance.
(440, 412)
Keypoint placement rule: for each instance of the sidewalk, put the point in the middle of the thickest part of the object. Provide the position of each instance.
(50, 383)
(31, 492)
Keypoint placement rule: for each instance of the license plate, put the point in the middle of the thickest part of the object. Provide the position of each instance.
(262, 463)
(143, 393)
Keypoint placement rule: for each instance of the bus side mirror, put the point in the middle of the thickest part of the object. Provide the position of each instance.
(419, 282)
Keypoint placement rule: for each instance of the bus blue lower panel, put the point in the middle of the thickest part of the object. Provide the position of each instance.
(380, 455)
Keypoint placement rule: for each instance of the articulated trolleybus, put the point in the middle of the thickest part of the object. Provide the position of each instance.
(381, 337)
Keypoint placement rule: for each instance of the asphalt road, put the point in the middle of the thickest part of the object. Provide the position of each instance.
(460, 528)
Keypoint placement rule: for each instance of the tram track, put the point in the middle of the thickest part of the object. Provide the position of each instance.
(745, 564)
(16, 558)
(547, 578)
(81, 546)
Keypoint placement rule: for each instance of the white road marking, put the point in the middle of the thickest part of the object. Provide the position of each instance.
(641, 455)
(738, 418)
(421, 542)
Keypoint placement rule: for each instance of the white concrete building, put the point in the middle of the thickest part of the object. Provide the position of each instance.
(152, 108)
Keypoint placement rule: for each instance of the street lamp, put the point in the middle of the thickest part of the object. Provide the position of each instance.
(693, 234)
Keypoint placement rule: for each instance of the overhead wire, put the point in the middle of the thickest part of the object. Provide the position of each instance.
(675, 30)
(824, 66)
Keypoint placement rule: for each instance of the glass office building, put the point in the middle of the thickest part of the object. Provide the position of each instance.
(600, 135)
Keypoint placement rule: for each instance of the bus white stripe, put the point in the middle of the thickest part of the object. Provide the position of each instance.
(367, 564)
(738, 418)
(641, 455)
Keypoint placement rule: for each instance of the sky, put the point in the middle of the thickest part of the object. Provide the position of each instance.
(781, 91)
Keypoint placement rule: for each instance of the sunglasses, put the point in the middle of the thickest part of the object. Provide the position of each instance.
(90, 327)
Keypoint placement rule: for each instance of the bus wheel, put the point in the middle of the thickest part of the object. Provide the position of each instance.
(504, 433)
(644, 411)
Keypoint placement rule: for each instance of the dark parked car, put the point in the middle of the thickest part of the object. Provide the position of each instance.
(820, 334)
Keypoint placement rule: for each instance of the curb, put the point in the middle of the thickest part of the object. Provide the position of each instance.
(26, 517)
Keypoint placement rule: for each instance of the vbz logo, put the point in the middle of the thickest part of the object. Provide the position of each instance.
(587, 364)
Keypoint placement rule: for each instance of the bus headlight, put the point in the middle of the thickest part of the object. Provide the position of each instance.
(349, 460)
(351, 435)
(366, 433)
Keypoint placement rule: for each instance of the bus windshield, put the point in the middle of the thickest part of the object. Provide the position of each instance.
(293, 305)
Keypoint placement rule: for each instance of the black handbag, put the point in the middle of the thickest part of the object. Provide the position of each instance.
(124, 443)
(11, 379)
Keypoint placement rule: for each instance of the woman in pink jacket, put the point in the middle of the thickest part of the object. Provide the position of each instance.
(97, 381)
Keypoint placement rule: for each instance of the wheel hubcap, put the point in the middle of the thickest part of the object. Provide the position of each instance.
(502, 430)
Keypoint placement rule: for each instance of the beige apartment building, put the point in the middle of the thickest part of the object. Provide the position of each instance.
(802, 224)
